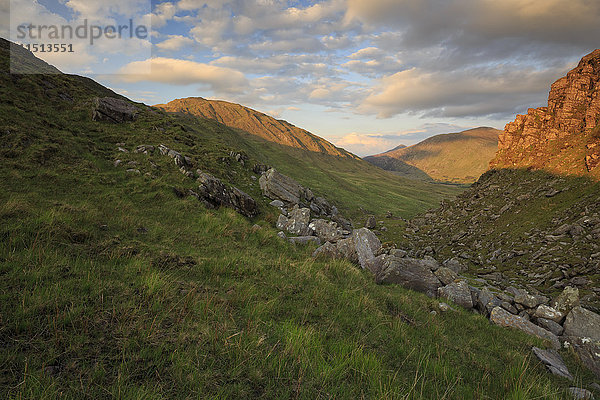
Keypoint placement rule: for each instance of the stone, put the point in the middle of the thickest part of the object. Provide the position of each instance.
(567, 300)
(347, 250)
(587, 351)
(320, 206)
(410, 273)
(296, 222)
(277, 186)
(509, 307)
(487, 301)
(455, 265)
(376, 265)
(304, 240)
(501, 317)
(282, 222)
(281, 235)
(551, 326)
(327, 250)
(547, 312)
(446, 275)
(213, 192)
(367, 245)
(277, 203)
(144, 149)
(371, 222)
(580, 394)
(457, 292)
(553, 361)
(529, 301)
(431, 263)
(327, 231)
(584, 323)
(110, 109)
(398, 253)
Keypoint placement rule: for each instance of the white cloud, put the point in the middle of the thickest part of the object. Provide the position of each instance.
(174, 43)
(184, 72)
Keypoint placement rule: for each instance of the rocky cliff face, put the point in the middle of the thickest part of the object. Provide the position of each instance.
(254, 122)
(563, 137)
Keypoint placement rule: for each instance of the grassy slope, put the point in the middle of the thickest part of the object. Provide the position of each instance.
(113, 287)
(454, 157)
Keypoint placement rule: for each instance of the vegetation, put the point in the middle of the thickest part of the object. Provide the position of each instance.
(113, 287)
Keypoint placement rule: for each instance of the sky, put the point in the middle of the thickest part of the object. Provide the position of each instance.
(367, 75)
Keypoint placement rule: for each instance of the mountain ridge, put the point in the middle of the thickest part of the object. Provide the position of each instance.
(254, 122)
(459, 157)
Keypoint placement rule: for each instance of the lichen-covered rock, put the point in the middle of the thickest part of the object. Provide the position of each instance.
(347, 249)
(213, 192)
(304, 240)
(297, 222)
(553, 361)
(367, 245)
(327, 250)
(500, 316)
(567, 300)
(587, 351)
(277, 186)
(327, 231)
(446, 275)
(547, 312)
(458, 292)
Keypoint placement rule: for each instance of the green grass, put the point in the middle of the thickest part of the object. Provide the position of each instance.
(112, 287)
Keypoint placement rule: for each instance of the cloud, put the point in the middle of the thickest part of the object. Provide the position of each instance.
(174, 43)
(480, 91)
(184, 72)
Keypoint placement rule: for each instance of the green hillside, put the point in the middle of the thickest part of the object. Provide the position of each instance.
(115, 287)
(454, 157)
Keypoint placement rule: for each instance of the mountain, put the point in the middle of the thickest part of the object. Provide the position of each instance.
(564, 136)
(453, 157)
(254, 122)
(118, 282)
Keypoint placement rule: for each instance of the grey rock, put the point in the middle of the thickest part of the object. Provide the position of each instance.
(580, 394)
(214, 193)
(411, 273)
(304, 240)
(398, 253)
(327, 250)
(298, 220)
(587, 351)
(371, 222)
(567, 300)
(455, 265)
(277, 203)
(377, 264)
(277, 186)
(457, 292)
(509, 307)
(110, 109)
(144, 149)
(551, 326)
(347, 249)
(282, 222)
(553, 361)
(326, 231)
(500, 316)
(431, 263)
(446, 275)
(584, 323)
(281, 235)
(547, 312)
(367, 245)
(530, 301)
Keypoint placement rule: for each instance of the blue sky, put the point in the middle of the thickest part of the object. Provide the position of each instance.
(364, 74)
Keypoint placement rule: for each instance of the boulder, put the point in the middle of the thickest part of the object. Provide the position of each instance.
(587, 351)
(553, 361)
(529, 301)
(277, 203)
(347, 249)
(282, 222)
(500, 316)
(487, 301)
(298, 221)
(567, 300)
(376, 265)
(458, 292)
(445, 275)
(214, 193)
(367, 245)
(110, 109)
(454, 265)
(551, 326)
(304, 240)
(547, 312)
(580, 394)
(144, 149)
(371, 222)
(327, 250)
(326, 231)
(411, 273)
(431, 263)
(582, 323)
(320, 206)
(277, 186)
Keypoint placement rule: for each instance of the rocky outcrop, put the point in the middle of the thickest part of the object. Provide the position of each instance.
(110, 109)
(501, 317)
(410, 273)
(277, 186)
(583, 323)
(216, 194)
(564, 136)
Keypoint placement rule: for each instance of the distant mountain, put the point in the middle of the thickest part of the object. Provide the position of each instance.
(453, 157)
(563, 137)
(254, 122)
(400, 146)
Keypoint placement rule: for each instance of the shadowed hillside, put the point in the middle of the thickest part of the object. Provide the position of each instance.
(453, 157)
